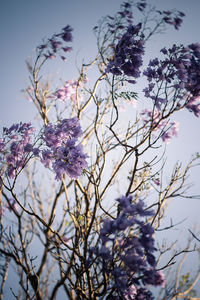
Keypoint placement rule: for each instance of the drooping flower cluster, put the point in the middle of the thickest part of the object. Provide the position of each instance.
(125, 13)
(119, 22)
(141, 5)
(61, 150)
(69, 91)
(116, 24)
(172, 18)
(62, 153)
(128, 54)
(180, 71)
(127, 251)
(16, 147)
(56, 44)
(163, 127)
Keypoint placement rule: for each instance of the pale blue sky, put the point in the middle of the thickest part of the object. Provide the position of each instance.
(25, 22)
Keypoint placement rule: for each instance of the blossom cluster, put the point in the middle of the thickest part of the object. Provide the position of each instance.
(16, 147)
(69, 91)
(164, 127)
(119, 22)
(62, 152)
(56, 44)
(127, 59)
(126, 13)
(180, 71)
(124, 16)
(60, 149)
(127, 251)
(172, 18)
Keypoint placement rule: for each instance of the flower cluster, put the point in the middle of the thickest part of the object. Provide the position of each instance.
(119, 22)
(166, 129)
(128, 54)
(180, 71)
(127, 250)
(172, 18)
(123, 18)
(55, 44)
(137, 294)
(16, 148)
(126, 13)
(62, 152)
(141, 5)
(69, 91)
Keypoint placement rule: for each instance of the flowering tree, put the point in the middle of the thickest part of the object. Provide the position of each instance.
(82, 194)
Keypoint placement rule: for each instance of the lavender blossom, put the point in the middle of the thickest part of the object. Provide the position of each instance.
(62, 153)
(179, 71)
(17, 147)
(55, 44)
(127, 250)
(165, 129)
(172, 18)
(68, 91)
(128, 54)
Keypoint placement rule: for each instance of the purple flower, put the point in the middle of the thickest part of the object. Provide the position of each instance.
(47, 158)
(104, 252)
(63, 58)
(167, 130)
(169, 133)
(173, 18)
(144, 294)
(70, 160)
(193, 105)
(69, 91)
(28, 148)
(128, 54)
(55, 44)
(126, 250)
(67, 34)
(157, 181)
(62, 153)
(179, 70)
(130, 293)
(67, 49)
(141, 5)
(16, 147)
(58, 135)
(153, 277)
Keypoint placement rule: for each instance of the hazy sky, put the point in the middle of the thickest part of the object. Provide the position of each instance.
(25, 22)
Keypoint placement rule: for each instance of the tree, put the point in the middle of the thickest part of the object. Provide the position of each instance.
(83, 195)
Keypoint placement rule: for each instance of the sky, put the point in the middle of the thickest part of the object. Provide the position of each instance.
(25, 22)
